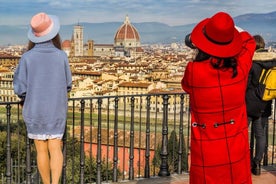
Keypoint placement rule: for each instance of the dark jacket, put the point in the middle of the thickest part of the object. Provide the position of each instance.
(255, 106)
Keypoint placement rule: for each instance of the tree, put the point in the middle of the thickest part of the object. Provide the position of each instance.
(173, 152)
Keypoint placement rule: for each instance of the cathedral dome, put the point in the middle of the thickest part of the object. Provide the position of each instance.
(127, 35)
(66, 44)
(66, 47)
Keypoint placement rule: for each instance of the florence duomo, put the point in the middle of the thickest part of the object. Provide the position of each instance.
(126, 43)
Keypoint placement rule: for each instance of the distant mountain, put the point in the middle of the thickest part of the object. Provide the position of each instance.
(150, 32)
(263, 24)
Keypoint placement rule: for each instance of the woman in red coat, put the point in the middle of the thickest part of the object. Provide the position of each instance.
(216, 81)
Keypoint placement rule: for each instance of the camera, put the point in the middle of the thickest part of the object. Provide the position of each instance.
(188, 41)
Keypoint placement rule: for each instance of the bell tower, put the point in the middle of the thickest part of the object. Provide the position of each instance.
(78, 40)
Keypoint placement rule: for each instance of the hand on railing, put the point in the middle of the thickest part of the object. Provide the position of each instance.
(21, 103)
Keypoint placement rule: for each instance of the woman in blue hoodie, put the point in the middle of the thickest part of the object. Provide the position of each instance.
(42, 80)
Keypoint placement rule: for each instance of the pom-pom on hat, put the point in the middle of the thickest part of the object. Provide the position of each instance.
(217, 36)
(43, 27)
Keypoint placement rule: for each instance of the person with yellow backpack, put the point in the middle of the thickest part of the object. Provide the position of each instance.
(258, 110)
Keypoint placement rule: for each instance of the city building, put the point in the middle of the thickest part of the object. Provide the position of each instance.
(89, 48)
(7, 65)
(6, 86)
(77, 42)
(103, 50)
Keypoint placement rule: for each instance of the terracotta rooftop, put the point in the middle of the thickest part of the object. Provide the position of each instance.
(127, 31)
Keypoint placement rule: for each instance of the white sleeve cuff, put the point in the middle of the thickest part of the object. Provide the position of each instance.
(239, 29)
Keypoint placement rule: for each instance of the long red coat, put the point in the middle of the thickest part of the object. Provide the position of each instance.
(219, 131)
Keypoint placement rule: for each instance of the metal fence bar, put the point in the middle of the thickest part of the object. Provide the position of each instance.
(99, 140)
(181, 137)
(147, 155)
(64, 152)
(28, 161)
(8, 159)
(124, 137)
(108, 139)
(82, 160)
(131, 155)
(155, 131)
(273, 137)
(265, 159)
(115, 143)
(73, 142)
(164, 168)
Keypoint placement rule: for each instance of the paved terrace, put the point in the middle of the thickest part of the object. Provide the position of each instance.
(268, 176)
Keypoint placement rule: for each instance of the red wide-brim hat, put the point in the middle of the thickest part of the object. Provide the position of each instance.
(217, 36)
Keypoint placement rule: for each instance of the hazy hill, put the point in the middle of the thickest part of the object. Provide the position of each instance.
(150, 32)
(263, 24)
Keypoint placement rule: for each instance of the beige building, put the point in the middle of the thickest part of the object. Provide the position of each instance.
(8, 64)
(89, 49)
(103, 50)
(134, 88)
(8, 60)
(6, 87)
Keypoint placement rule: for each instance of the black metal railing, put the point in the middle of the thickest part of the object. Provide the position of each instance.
(110, 139)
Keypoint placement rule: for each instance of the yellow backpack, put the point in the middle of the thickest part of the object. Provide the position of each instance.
(267, 84)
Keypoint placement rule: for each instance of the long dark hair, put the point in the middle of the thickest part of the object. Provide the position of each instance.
(56, 41)
(219, 63)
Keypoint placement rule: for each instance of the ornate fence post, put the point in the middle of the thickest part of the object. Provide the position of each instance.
(64, 152)
(180, 147)
(273, 130)
(115, 151)
(99, 140)
(131, 152)
(265, 159)
(8, 171)
(82, 143)
(28, 161)
(164, 168)
(147, 155)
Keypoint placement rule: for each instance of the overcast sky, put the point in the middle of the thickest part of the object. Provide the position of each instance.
(171, 12)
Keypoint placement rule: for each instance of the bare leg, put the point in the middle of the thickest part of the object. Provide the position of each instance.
(56, 162)
(43, 160)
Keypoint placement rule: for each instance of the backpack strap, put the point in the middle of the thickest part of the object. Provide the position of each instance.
(263, 75)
